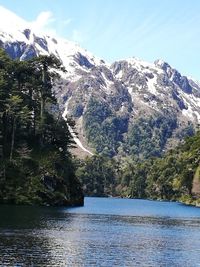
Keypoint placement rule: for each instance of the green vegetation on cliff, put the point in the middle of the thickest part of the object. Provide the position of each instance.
(35, 163)
(104, 130)
(113, 132)
(148, 135)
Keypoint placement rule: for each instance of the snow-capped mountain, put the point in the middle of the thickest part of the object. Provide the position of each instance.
(112, 103)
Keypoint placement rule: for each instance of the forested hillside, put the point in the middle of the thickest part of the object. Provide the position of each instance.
(175, 176)
(35, 163)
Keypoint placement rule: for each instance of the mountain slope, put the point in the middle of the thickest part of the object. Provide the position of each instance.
(128, 107)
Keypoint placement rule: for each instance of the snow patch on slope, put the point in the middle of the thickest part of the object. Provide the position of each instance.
(107, 82)
(193, 104)
(143, 66)
(130, 90)
(76, 140)
(119, 74)
(151, 85)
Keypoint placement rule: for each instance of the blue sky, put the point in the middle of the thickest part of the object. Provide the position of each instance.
(117, 29)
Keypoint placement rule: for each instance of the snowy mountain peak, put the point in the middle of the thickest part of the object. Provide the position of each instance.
(27, 41)
(10, 20)
(128, 89)
(161, 63)
(135, 61)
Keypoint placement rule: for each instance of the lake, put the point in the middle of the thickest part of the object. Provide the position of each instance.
(105, 232)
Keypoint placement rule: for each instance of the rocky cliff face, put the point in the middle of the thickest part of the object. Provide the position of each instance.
(128, 107)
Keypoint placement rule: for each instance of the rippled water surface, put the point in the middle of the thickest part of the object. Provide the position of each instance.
(105, 232)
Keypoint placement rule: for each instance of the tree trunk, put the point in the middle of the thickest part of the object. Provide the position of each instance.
(13, 139)
(43, 91)
(42, 104)
(34, 121)
(1, 139)
(4, 132)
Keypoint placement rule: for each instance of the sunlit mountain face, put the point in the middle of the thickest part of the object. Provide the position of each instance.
(128, 107)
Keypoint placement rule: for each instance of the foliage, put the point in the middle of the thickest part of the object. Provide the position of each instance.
(35, 163)
(170, 177)
(97, 174)
(148, 136)
(103, 129)
(144, 136)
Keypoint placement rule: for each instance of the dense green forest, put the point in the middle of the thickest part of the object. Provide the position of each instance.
(175, 176)
(35, 164)
(146, 136)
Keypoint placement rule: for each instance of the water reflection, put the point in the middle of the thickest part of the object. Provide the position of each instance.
(59, 237)
(20, 250)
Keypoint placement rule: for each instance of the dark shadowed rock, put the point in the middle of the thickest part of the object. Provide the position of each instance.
(83, 61)
(184, 84)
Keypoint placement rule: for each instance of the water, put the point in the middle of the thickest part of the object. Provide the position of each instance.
(105, 232)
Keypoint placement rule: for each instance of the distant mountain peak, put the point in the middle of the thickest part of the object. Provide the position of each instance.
(119, 95)
(10, 21)
(162, 64)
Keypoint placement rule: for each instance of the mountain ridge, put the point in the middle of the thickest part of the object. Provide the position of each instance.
(112, 103)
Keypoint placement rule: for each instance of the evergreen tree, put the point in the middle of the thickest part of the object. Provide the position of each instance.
(36, 165)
